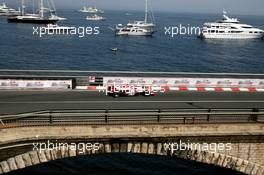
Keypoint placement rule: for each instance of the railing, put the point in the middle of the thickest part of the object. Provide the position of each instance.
(80, 73)
(126, 117)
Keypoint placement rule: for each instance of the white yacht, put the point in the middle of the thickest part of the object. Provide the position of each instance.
(132, 31)
(142, 24)
(229, 28)
(121, 30)
(95, 17)
(90, 10)
(138, 31)
(6, 11)
(140, 28)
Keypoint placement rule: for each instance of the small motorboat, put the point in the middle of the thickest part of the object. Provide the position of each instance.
(95, 18)
(55, 29)
(115, 49)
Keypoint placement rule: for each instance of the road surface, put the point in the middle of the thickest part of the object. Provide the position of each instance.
(15, 102)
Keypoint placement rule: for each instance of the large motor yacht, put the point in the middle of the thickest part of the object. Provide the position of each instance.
(230, 28)
(90, 10)
(6, 11)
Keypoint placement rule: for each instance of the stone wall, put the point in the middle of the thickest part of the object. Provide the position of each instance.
(246, 155)
(35, 157)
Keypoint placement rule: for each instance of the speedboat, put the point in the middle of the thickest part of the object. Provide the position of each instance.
(58, 29)
(230, 28)
(55, 17)
(115, 49)
(95, 18)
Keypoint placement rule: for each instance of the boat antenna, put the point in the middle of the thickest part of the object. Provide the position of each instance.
(146, 12)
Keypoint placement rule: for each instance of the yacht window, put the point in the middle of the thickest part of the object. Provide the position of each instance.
(233, 28)
(221, 32)
(255, 32)
(236, 31)
(212, 31)
(250, 32)
(246, 27)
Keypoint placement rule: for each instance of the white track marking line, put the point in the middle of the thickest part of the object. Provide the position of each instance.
(174, 89)
(244, 89)
(71, 102)
(209, 89)
(227, 89)
(192, 89)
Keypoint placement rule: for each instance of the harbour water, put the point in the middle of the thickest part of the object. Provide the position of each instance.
(20, 49)
(124, 164)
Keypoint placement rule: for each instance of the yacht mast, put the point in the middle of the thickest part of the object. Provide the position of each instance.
(146, 12)
(23, 7)
(41, 9)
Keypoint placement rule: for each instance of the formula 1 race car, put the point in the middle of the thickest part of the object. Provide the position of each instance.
(129, 90)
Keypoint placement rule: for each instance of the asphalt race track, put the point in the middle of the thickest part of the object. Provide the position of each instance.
(15, 102)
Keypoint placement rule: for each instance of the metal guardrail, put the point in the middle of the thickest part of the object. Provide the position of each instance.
(125, 117)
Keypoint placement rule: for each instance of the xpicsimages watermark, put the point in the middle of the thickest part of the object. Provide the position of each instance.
(173, 31)
(81, 148)
(70, 31)
(187, 146)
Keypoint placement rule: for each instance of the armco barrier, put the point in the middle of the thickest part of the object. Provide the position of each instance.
(187, 82)
(167, 88)
(177, 84)
(35, 84)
